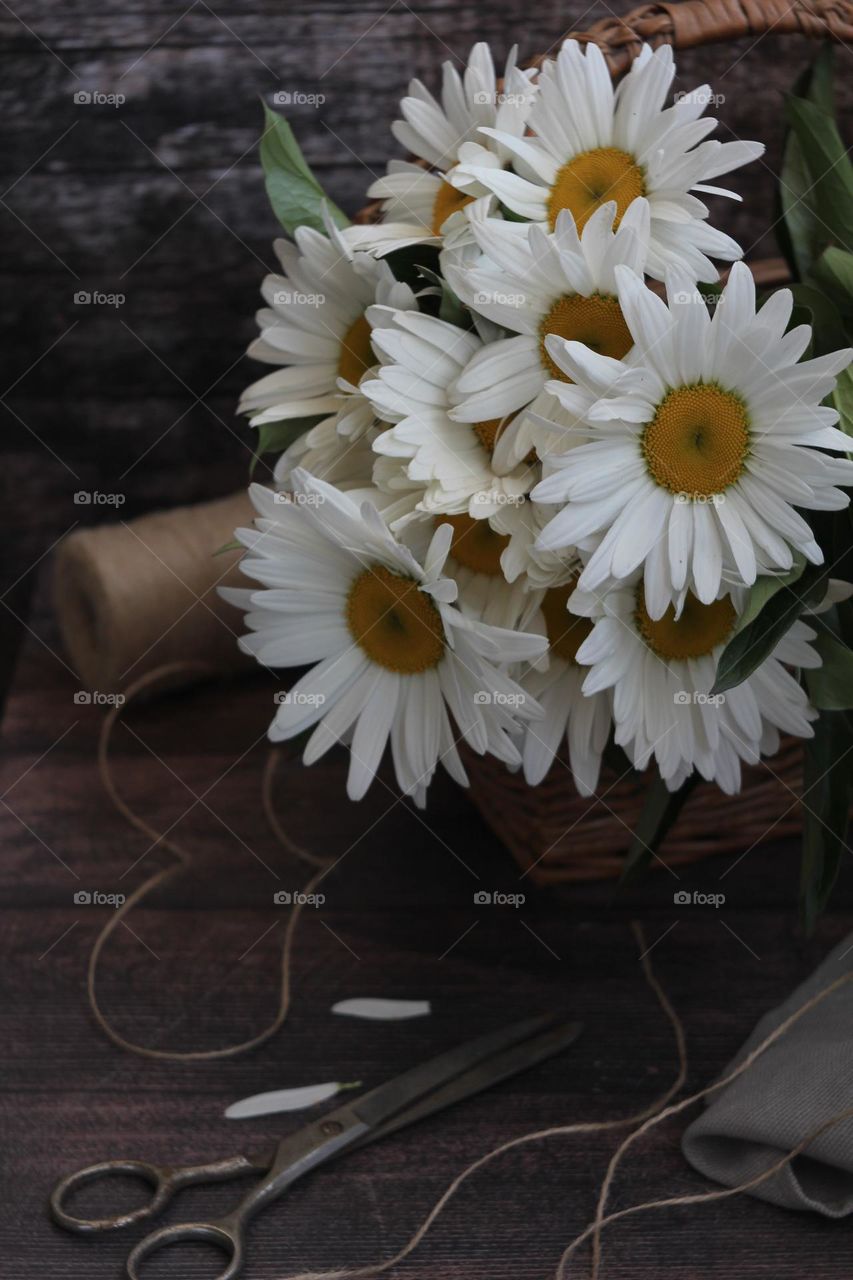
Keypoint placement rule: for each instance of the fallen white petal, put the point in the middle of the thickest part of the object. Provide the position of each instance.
(265, 1104)
(384, 1010)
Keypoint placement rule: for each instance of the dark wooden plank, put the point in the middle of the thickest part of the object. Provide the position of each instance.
(199, 970)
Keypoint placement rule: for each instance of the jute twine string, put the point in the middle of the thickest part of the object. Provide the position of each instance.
(298, 850)
(639, 1123)
(704, 1197)
(652, 1115)
(183, 860)
(601, 1221)
(592, 1126)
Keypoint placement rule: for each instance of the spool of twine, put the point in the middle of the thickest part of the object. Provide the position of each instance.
(134, 596)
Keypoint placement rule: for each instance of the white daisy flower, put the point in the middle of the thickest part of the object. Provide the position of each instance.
(316, 324)
(475, 563)
(593, 143)
(418, 200)
(703, 448)
(535, 283)
(488, 597)
(328, 452)
(521, 524)
(661, 672)
(583, 721)
(393, 654)
(421, 360)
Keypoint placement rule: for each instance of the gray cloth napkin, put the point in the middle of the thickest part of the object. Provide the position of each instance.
(798, 1083)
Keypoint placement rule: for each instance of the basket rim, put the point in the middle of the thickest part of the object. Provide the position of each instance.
(692, 23)
(689, 25)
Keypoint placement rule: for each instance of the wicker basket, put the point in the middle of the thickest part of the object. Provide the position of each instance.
(554, 834)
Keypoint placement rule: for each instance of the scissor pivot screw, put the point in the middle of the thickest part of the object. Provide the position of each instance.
(330, 1128)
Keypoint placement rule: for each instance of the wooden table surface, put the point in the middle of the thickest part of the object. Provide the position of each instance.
(160, 201)
(196, 967)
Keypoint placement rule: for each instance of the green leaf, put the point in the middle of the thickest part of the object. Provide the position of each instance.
(812, 306)
(842, 399)
(765, 587)
(826, 810)
(660, 810)
(410, 263)
(831, 686)
(450, 308)
(819, 76)
(228, 546)
(834, 272)
(275, 437)
(509, 215)
(294, 193)
(748, 648)
(829, 171)
(798, 227)
(798, 232)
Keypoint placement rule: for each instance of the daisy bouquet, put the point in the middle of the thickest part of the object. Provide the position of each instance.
(543, 488)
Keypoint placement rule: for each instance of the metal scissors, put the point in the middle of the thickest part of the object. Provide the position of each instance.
(459, 1073)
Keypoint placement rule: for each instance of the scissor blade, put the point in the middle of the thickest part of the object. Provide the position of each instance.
(514, 1060)
(388, 1100)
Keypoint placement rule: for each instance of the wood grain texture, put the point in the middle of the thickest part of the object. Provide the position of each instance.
(197, 968)
(161, 200)
(140, 400)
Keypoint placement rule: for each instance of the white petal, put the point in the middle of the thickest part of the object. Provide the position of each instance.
(380, 1009)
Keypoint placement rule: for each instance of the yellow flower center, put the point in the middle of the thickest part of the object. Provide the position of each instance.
(592, 178)
(566, 632)
(397, 625)
(596, 321)
(475, 544)
(356, 352)
(698, 440)
(448, 201)
(699, 629)
(487, 432)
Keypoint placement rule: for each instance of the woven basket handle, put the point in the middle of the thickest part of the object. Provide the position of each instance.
(698, 22)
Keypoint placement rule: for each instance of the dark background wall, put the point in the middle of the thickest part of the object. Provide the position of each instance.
(160, 200)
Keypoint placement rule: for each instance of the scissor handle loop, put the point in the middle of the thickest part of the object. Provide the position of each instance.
(158, 1179)
(225, 1234)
